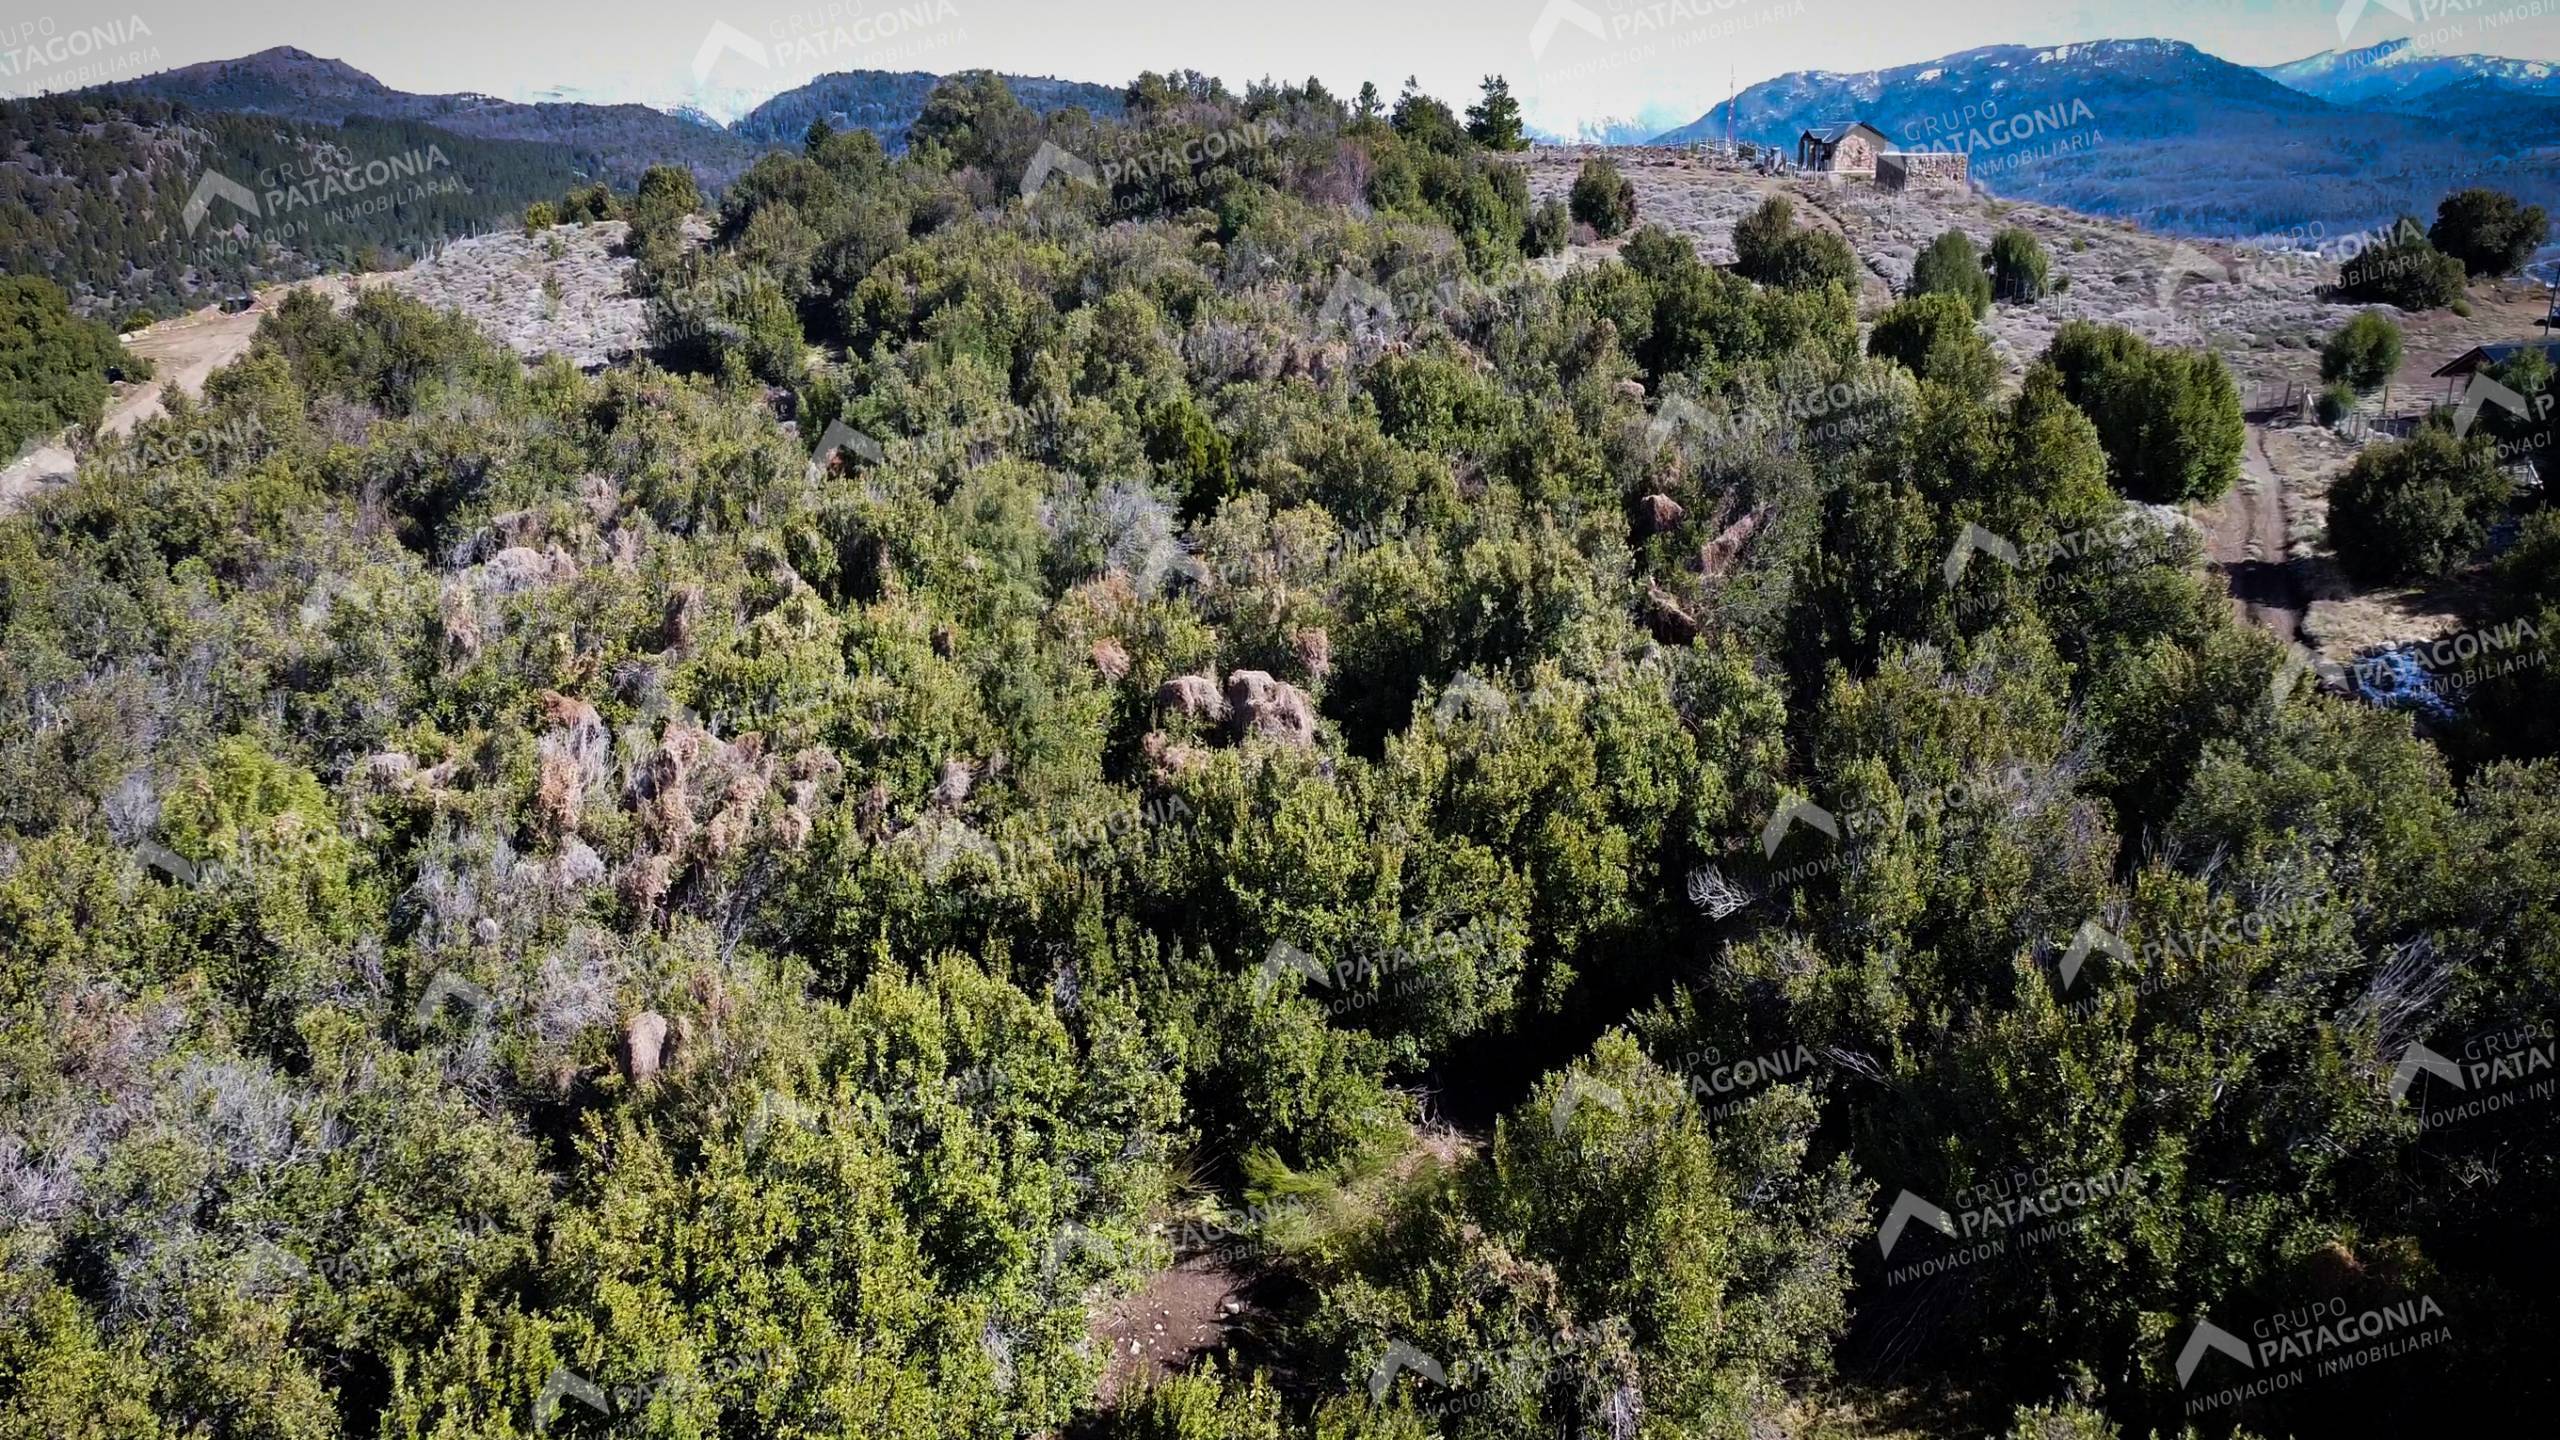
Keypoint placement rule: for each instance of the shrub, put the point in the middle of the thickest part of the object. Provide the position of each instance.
(2489, 231)
(1951, 266)
(1190, 455)
(539, 216)
(1760, 238)
(586, 204)
(2405, 270)
(1604, 199)
(2364, 352)
(1770, 249)
(2169, 419)
(2418, 507)
(2021, 271)
(1935, 338)
(2337, 402)
(1550, 230)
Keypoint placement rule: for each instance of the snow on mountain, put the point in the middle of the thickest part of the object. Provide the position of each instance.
(2395, 73)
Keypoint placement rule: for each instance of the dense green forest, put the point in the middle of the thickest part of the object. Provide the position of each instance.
(94, 194)
(1216, 713)
(54, 365)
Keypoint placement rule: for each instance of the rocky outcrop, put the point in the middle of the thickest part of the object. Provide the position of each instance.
(1670, 621)
(1193, 695)
(1269, 708)
(1315, 653)
(644, 1046)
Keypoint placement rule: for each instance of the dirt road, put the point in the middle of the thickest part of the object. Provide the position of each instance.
(188, 349)
(183, 351)
(2247, 538)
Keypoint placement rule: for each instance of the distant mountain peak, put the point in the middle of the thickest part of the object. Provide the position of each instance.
(284, 60)
(2395, 74)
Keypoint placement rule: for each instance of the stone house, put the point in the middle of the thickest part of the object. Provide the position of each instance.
(1848, 148)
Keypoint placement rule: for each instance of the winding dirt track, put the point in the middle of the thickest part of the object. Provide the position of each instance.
(186, 350)
(2248, 541)
(183, 351)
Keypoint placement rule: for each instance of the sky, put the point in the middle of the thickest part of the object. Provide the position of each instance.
(1570, 61)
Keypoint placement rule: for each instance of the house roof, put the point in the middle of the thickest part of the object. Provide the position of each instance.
(1840, 130)
(2480, 357)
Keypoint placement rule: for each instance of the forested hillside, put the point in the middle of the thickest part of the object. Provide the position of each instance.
(886, 102)
(94, 191)
(1240, 722)
(610, 142)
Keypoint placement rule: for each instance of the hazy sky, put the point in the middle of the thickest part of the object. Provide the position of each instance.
(1656, 59)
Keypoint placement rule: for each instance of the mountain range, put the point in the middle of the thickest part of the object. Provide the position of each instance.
(2163, 133)
(609, 142)
(2396, 73)
(612, 142)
